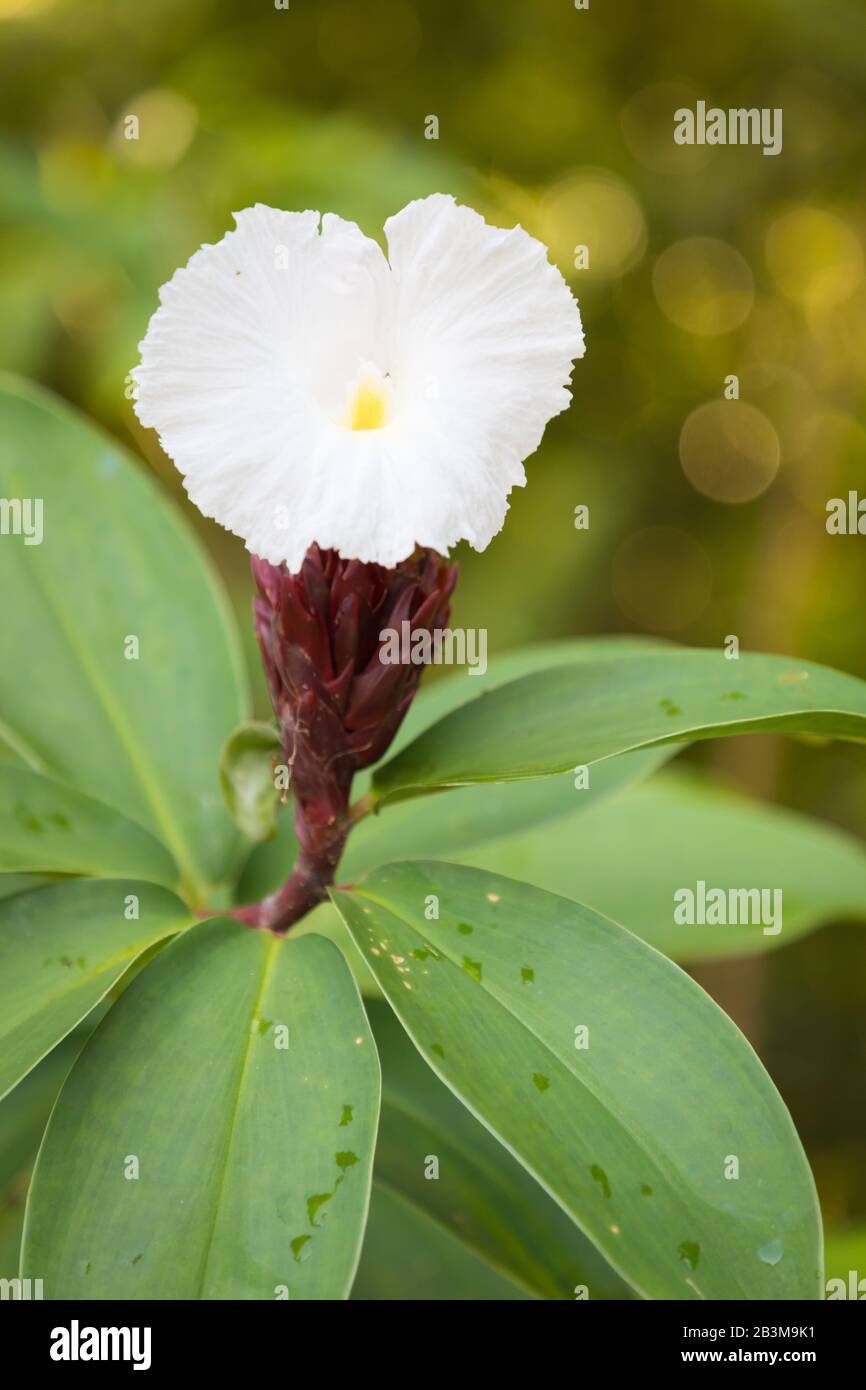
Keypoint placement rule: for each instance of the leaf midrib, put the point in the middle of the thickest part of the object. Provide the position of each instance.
(270, 949)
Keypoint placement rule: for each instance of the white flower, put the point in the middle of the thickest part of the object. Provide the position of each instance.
(308, 389)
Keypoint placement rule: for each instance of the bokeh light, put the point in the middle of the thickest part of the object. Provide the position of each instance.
(729, 451)
(23, 9)
(166, 124)
(593, 208)
(787, 398)
(704, 285)
(814, 257)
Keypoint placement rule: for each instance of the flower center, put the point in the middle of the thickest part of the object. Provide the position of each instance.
(369, 400)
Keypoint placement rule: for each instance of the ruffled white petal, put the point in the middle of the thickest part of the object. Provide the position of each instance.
(248, 368)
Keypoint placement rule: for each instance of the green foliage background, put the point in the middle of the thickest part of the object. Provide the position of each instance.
(562, 120)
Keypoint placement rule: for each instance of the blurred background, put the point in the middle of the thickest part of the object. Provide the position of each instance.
(707, 516)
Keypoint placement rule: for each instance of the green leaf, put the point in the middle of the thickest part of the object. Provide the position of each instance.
(576, 715)
(253, 1158)
(23, 1116)
(408, 1257)
(12, 884)
(24, 1112)
(450, 825)
(479, 1196)
(46, 827)
(116, 563)
(440, 697)
(632, 1134)
(270, 862)
(247, 779)
(471, 816)
(630, 857)
(62, 948)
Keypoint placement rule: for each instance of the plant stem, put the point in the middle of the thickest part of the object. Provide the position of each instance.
(306, 887)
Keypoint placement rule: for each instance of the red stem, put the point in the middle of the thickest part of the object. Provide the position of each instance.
(306, 887)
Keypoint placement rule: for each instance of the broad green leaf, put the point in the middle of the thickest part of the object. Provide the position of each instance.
(479, 1196)
(120, 672)
(46, 827)
(574, 715)
(436, 698)
(437, 825)
(450, 825)
(471, 816)
(637, 850)
(24, 1112)
(631, 1134)
(247, 779)
(12, 884)
(23, 1116)
(626, 859)
(61, 949)
(407, 1257)
(253, 1157)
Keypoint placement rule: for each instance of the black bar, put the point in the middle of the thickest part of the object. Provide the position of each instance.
(229, 1337)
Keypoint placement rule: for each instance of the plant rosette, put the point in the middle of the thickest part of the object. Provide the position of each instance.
(556, 1109)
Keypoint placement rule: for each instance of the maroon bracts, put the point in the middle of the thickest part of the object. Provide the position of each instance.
(337, 704)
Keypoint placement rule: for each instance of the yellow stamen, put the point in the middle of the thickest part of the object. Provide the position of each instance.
(368, 407)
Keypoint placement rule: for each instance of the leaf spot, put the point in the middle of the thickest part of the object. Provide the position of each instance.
(600, 1176)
